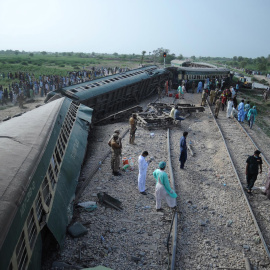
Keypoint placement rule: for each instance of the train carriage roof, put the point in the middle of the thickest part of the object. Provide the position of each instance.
(193, 70)
(106, 84)
(22, 140)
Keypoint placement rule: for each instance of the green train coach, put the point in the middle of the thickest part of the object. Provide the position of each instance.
(196, 74)
(116, 92)
(41, 156)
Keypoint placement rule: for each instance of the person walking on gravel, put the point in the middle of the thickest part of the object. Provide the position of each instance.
(143, 165)
(217, 108)
(252, 169)
(252, 113)
(183, 150)
(241, 111)
(246, 108)
(163, 188)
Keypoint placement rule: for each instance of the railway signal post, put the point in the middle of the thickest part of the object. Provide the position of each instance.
(164, 56)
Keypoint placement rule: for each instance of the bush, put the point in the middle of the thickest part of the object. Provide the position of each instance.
(253, 79)
(25, 63)
(76, 67)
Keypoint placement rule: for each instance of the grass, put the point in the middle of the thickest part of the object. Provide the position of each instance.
(56, 64)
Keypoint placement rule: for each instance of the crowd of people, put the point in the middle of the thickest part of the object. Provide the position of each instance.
(228, 99)
(22, 85)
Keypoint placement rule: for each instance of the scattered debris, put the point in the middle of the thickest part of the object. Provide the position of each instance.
(88, 206)
(77, 230)
(104, 198)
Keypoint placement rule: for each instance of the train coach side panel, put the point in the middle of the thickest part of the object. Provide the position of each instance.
(61, 211)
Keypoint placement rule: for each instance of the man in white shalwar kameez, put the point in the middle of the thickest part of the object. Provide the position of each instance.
(143, 165)
(229, 108)
(163, 188)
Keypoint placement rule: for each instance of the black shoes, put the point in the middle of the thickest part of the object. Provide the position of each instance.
(160, 209)
(143, 193)
(117, 173)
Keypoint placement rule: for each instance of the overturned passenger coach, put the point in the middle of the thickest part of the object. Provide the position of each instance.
(41, 156)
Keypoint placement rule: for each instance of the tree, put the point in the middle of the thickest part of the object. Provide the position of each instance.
(43, 53)
(262, 66)
(243, 64)
(143, 54)
(16, 52)
(235, 58)
(31, 54)
(115, 54)
(193, 57)
(240, 58)
(180, 57)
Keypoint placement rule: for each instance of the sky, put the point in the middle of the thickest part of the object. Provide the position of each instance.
(223, 28)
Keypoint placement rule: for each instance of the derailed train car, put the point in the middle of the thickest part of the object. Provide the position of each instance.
(116, 92)
(196, 74)
(41, 157)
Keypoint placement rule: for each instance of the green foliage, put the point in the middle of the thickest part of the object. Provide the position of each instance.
(253, 79)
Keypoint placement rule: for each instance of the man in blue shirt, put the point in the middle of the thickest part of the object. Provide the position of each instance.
(183, 150)
(177, 114)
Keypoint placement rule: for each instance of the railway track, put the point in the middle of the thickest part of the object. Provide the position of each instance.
(240, 145)
(173, 228)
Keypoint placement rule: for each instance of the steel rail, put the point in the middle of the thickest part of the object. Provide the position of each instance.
(246, 133)
(241, 186)
(173, 228)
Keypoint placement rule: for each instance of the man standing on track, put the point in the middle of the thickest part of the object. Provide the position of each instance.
(133, 128)
(204, 97)
(183, 150)
(229, 108)
(252, 169)
(116, 153)
(143, 165)
(163, 188)
(241, 111)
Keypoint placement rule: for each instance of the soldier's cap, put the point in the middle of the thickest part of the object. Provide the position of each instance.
(257, 152)
(162, 164)
(115, 135)
(117, 131)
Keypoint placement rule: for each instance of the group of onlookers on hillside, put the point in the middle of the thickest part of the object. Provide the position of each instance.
(23, 85)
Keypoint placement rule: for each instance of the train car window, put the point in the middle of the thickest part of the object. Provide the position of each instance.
(74, 91)
(21, 252)
(31, 228)
(57, 155)
(112, 80)
(51, 177)
(39, 208)
(107, 81)
(46, 191)
(86, 87)
(116, 79)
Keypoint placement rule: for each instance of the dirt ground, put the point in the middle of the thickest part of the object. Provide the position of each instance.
(10, 110)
